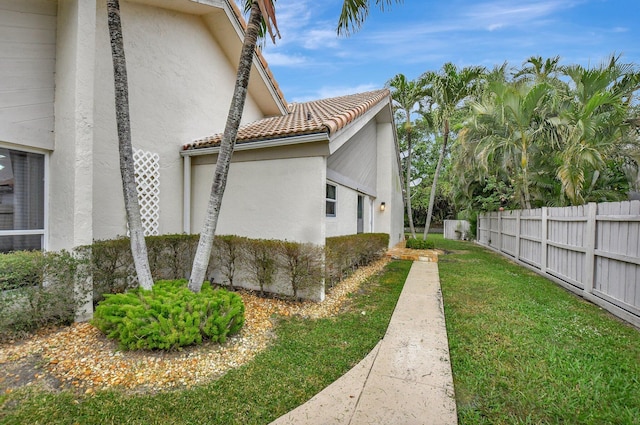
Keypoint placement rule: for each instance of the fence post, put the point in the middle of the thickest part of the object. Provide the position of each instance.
(590, 246)
(543, 241)
(517, 253)
(499, 241)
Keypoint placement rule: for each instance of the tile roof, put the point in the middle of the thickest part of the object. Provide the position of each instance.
(318, 116)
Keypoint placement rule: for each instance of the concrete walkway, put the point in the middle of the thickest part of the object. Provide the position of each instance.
(406, 379)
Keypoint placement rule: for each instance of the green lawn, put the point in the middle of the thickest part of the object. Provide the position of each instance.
(306, 357)
(523, 351)
(526, 351)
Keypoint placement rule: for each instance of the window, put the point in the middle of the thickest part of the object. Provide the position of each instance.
(331, 200)
(21, 200)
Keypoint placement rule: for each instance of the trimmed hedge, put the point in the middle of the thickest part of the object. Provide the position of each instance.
(169, 316)
(346, 253)
(38, 289)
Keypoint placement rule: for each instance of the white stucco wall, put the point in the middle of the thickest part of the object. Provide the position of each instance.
(391, 220)
(267, 199)
(346, 220)
(27, 70)
(71, 163)
(180, 86)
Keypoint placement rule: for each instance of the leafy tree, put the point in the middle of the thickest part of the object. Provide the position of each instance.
(127, 170)
(509, 122)
(448, 88)
(407, 96)
(593, 122)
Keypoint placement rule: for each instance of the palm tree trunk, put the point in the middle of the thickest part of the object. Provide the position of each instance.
(203, 252)
(127, 170)
(432, 196)
(408, 183)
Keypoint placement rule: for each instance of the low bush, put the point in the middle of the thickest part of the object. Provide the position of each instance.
(346, 253)
(303, 265)
(37, 289)
(414, 243)
(169, 316)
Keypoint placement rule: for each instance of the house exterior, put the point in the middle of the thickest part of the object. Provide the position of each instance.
(301, 172)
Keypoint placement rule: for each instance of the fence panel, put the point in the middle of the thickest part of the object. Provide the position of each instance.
(593, 250)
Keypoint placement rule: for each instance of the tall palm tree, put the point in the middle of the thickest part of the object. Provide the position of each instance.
(448, 88)
(127, 170)
(262, 14)
(258, 10)
(407, 96)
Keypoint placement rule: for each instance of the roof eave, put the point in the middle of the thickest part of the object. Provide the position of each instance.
(261, 144)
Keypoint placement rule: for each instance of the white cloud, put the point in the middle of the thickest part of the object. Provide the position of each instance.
(283, 59)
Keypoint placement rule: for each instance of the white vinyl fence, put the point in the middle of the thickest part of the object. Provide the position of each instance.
(592, 250)
(456, 229)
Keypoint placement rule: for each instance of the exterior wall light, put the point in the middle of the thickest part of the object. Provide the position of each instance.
(382, 206)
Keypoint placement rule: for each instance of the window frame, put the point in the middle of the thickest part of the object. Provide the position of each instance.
(333, 201)
(43, 232)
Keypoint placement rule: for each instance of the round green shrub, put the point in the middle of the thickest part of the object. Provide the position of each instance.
(414, 243)
(169, 316)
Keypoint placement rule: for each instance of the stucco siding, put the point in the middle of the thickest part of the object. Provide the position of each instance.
(71, 164)
(180, 84)
(28, 56)
(345, 222)
(355, 162)
(391, 220)
(269, 199)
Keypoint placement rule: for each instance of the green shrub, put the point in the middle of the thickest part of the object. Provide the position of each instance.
(303, 264)
(169, 316)
(262, 256)
(414, 243)
(228, 252)
(346, 253)
(21, 268)
(37, 289)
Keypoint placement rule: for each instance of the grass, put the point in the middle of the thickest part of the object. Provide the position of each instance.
(526, 351)
(306, 357)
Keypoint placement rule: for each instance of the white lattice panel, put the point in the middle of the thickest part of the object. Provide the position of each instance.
(147, 168)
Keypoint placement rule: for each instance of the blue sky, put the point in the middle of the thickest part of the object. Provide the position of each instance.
(312, 62)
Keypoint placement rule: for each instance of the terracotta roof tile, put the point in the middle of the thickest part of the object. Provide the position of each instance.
(318, 116)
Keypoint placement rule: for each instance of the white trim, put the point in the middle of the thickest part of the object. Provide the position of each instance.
(260, 144)
(334, 200)
(186, 195)
(345, 134)
(350, 183)
(47, 182)
(21, 232)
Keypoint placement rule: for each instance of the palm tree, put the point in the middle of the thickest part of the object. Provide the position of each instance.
(262, 14)
(448, 89)
(594, 121)
(127, 170)
(355, 12)
(538, 70)
(406, 96)
(258, 9)
(510, 124)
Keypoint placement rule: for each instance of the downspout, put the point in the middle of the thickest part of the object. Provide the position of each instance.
(186, 195)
